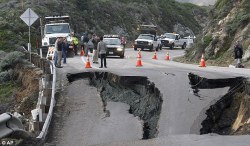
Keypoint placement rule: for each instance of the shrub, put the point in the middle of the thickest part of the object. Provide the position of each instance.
(11, 60)
(6, 90)
(5, 76)
(207, 39)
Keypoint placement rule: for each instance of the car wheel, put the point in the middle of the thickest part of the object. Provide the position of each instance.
(184, 46)
(122, 55)
(172, 47)
(151, 48)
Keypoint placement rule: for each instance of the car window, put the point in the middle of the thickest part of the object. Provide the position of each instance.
(62, 28)
(147, 37)
(112, 41)
(169, 35)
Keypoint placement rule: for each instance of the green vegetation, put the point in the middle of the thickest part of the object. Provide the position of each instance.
(9, 63)
(207, 40)
(6, 90)
(12, 60)
(221, 3)
(8, 75)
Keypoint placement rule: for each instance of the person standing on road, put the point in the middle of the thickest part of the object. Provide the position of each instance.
(238, 52)
(85, 40)
(74, 42)
(64, 49)
(59, 52)
(55, 51)
(95, 52)
(102, 49)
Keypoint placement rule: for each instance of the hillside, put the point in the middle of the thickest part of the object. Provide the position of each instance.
(229, 21)
(100, 16)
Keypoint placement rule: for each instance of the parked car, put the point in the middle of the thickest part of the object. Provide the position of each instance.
(114, 45)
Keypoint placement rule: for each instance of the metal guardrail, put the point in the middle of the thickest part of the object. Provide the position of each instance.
(11, 125)
(44, 131)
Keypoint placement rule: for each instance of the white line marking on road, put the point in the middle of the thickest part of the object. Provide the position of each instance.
(82, 58)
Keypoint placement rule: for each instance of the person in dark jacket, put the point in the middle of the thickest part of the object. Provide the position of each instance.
(64, 49)
(59, 51)
(238, 52)
(85, 40)
(102, 49)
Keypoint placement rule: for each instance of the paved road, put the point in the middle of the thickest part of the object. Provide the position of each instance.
(182, 111)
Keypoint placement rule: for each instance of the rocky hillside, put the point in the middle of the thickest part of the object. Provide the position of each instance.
(100, 16)
(229, 21)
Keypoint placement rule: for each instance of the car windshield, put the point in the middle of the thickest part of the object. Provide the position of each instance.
(169, 35)
(112, 41)
(60, 28)
(147, 37)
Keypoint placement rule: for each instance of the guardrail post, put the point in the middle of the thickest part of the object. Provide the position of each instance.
(47, 67)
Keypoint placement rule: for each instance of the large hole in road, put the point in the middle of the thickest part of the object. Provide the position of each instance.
(144, 99)
(221, 115)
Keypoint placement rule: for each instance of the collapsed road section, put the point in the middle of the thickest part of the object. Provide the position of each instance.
(230, 114)
(139, 93)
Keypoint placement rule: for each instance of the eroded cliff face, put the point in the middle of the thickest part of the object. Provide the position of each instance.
(242, 123)
(231, 114)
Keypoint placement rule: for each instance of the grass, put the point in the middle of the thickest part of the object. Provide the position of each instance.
(6, 90)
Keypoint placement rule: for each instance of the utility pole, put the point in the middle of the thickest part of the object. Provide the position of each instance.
(22, 3)
(41, 27)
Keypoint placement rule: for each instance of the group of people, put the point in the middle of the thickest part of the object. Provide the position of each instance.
(99, 49)
(96, 45)
(61, 47)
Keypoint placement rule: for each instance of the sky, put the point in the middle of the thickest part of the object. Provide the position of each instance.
(200, 2)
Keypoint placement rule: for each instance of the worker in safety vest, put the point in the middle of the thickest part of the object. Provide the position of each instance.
(74, 42)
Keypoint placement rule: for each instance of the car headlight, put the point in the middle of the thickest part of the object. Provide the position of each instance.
(119, 49)
(149, 43)
(135, 42)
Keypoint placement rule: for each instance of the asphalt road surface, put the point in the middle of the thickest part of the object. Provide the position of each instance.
(80, 120)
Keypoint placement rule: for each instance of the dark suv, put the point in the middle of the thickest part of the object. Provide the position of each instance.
(114, 45)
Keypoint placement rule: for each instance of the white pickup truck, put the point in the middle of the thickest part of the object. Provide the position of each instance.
(173, 40)
(146, 41)
(147, 38)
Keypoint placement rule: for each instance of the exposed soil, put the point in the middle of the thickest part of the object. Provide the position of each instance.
(25, 98)
(27, 95)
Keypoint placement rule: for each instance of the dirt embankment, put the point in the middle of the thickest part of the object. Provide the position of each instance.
(27, 94)
(25, 97)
